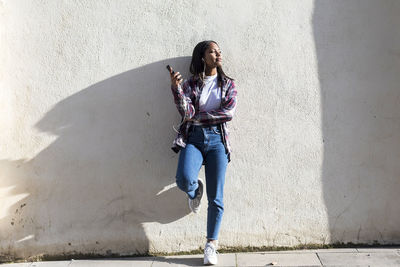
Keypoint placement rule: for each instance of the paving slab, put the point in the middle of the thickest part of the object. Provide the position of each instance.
(364, 259)
(187, 260)
(50, 264)
(336, 250)
(297, 251)
(129, 262)
(378, 250)
(193, 260)
(280, 259)
(22, 264)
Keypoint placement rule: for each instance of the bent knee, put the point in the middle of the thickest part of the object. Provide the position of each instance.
(186, 184)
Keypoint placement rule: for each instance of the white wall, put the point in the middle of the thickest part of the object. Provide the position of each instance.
(86, 120)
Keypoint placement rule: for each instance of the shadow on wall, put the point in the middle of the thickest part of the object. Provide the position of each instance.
(105, 174)
(357, 45)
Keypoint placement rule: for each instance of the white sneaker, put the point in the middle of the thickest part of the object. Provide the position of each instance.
(194, 204)
(210, 254)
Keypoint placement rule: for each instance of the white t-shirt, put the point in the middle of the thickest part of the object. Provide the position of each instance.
(210, 98)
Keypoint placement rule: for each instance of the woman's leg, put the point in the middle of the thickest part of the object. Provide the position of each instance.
(189, 164)
(216, 163)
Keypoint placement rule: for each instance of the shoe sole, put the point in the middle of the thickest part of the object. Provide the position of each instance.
(201, 196)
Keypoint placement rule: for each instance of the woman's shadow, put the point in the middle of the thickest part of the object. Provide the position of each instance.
(109, 170)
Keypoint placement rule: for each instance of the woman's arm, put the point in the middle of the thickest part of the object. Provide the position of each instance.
(223, 114)
(182, 100)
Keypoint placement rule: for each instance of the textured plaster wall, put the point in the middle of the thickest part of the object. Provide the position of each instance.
(86, 119)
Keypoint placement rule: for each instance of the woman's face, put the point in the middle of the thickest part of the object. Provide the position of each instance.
(213, 56)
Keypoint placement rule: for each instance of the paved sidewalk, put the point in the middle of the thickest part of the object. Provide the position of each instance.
(317, 257)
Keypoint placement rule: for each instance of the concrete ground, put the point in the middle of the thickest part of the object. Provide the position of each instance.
(317, 257)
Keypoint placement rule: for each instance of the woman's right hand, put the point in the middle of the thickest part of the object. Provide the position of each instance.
(176, 78)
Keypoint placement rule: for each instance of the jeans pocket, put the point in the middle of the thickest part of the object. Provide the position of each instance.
(216, 130)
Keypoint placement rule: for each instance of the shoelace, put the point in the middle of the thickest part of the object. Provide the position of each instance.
(196, 201)
(209, 250)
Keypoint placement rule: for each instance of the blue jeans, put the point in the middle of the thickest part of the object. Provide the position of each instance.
(205, 144)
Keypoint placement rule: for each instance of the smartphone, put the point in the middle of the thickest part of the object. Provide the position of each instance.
(173, 72)
(169, 69)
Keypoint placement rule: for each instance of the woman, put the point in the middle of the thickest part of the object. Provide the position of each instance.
(206, 101)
